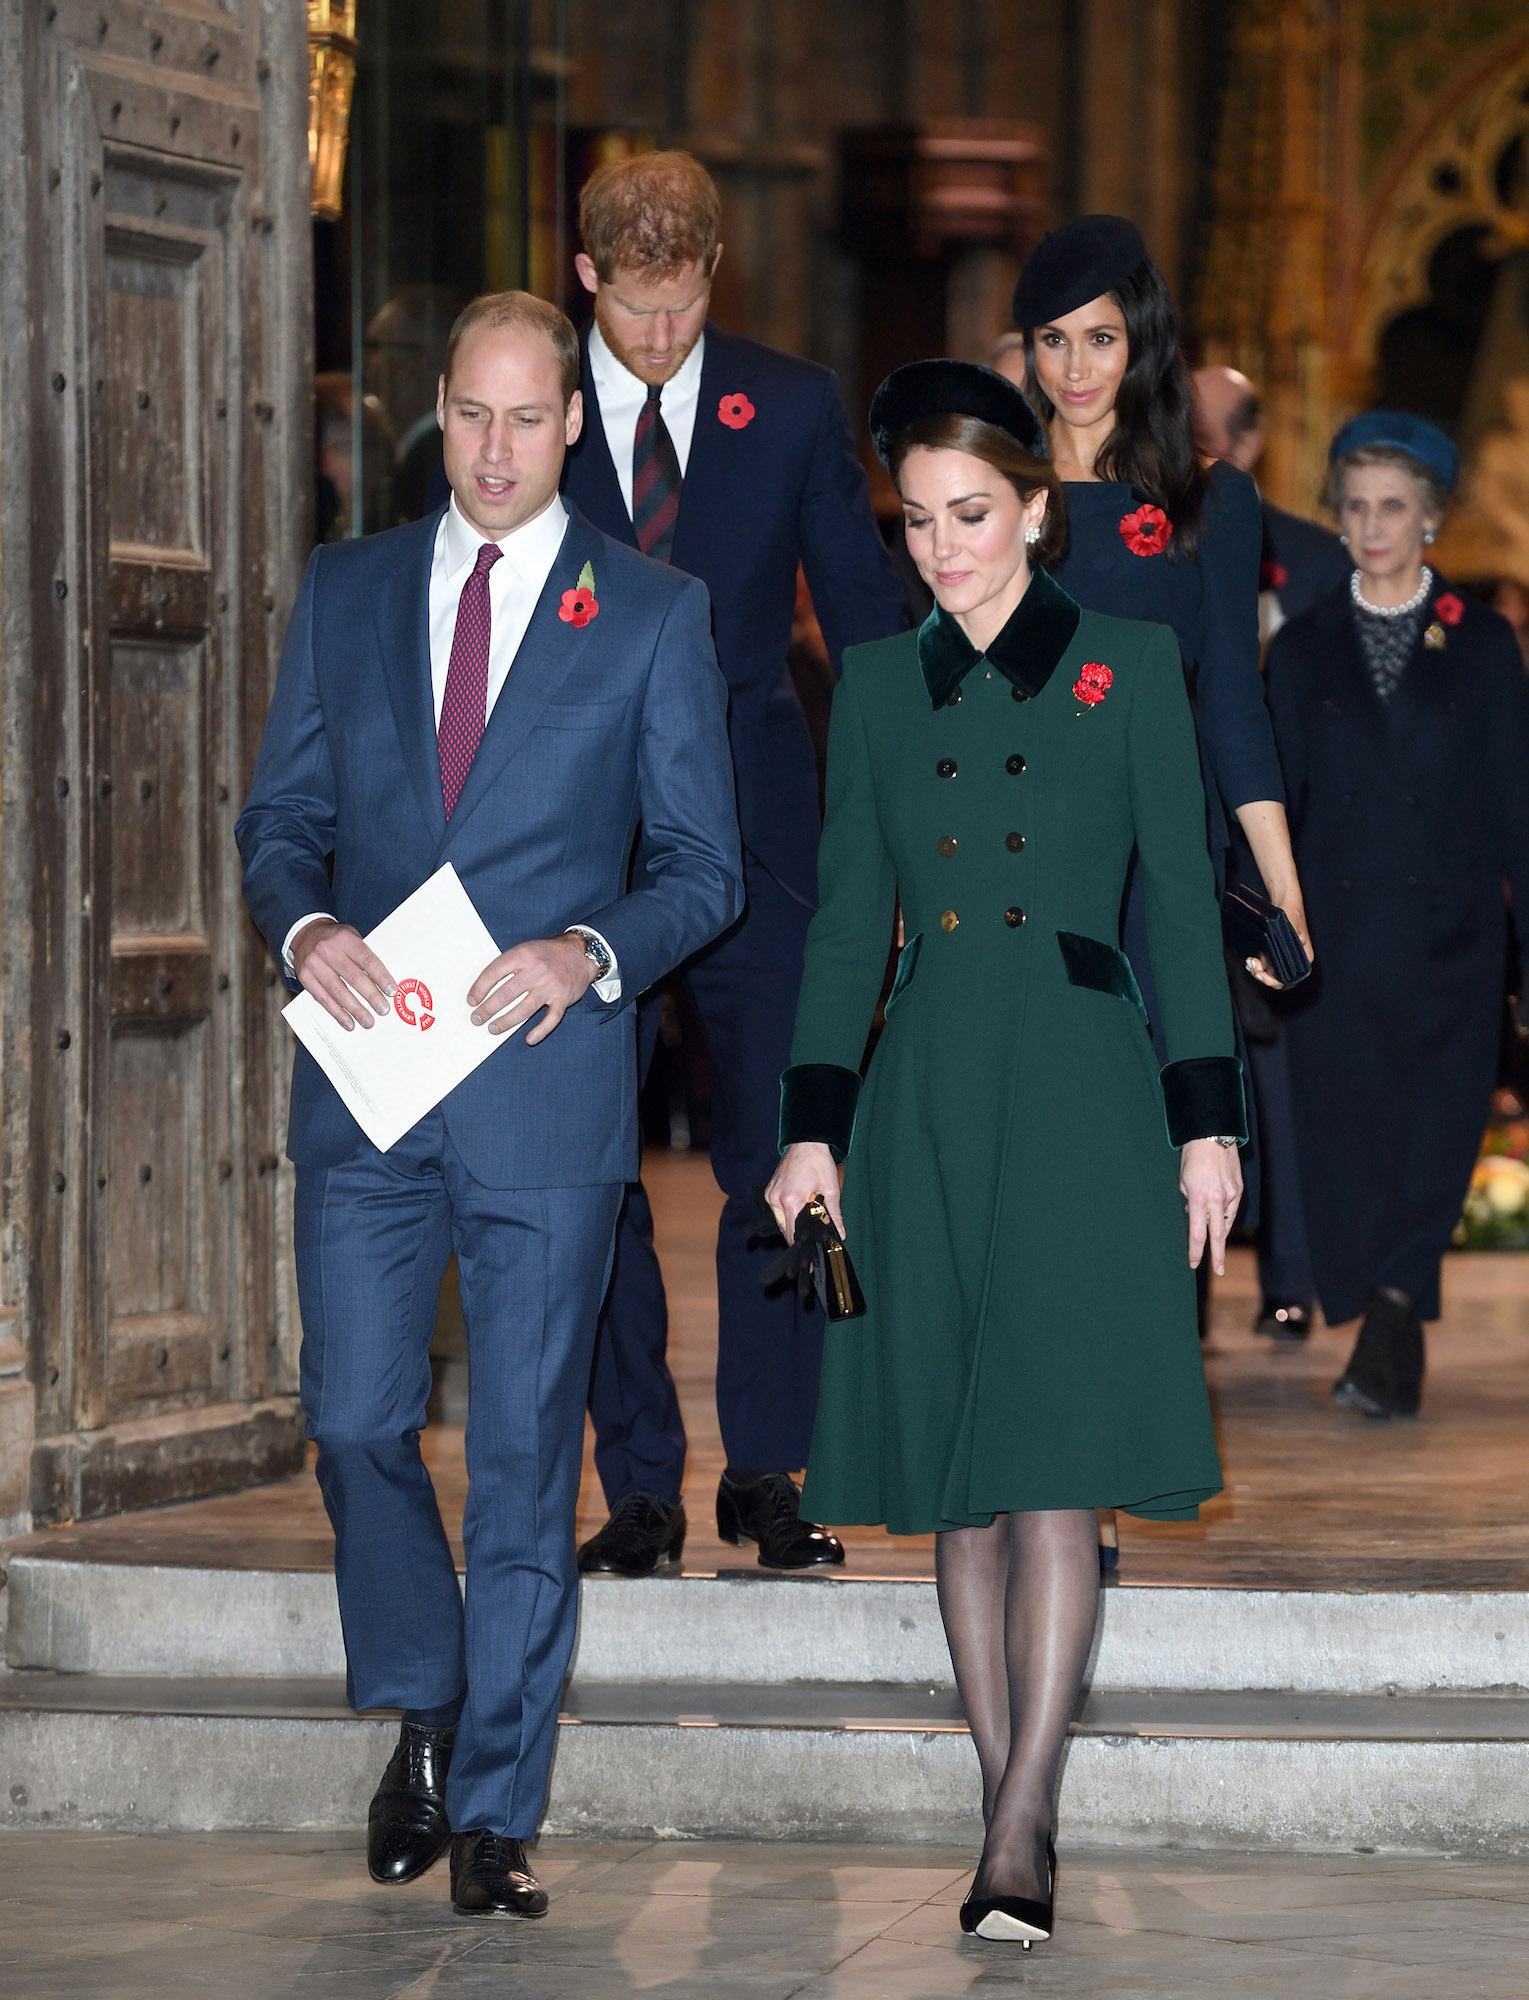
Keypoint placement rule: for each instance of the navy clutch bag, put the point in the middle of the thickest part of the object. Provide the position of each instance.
(815, 1261)
(1256, 928)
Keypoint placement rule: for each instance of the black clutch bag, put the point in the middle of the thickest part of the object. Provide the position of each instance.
(814, 1261)
(1256, 928)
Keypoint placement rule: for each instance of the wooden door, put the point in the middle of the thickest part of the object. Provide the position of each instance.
(167, 426)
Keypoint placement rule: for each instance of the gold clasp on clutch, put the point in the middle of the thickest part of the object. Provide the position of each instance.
(834, 1259)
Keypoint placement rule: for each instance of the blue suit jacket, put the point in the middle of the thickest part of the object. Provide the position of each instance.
(786, 487)
(596, 728)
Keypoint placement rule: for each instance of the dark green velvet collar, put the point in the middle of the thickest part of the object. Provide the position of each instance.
(1025, 652)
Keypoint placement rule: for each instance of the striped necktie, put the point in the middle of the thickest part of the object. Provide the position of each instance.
(655, 480)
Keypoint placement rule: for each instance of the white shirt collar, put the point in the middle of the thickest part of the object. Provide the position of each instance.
(530, 549)
(613, 379)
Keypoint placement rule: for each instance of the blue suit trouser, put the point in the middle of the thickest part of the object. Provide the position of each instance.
(769, 1347)
(373, 1236)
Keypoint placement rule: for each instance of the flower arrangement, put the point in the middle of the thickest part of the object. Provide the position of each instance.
(1496, 1213)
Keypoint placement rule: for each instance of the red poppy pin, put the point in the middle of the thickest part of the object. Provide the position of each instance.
(1147, 531)
(1274, 576)
(580, 604)
(736, 411)
(1449, 607)
(1093, 683)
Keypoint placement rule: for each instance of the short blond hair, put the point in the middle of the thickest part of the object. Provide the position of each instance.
(653, 212)
(524, 309)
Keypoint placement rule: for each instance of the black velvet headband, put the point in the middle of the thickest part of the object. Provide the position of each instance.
(952, 389)
(1069, 266)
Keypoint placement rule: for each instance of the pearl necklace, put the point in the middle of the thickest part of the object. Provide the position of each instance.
(1390, 610)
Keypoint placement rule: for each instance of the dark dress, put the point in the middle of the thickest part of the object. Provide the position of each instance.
(1407, 814)
(1011, 1193)
(1211, 604)
(1302, 561)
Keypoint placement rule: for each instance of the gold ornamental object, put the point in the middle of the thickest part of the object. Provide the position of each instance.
(331, 79)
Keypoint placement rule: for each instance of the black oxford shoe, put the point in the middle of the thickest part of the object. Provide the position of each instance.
(407, 1830)
(491, 1877)
(642, 1532)
(767, 1512)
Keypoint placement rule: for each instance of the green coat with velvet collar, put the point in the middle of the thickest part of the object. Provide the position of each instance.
(1011, 1188)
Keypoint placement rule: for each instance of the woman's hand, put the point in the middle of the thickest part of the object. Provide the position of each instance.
(1210, 1180)
(804, 1171)
(1268, 832)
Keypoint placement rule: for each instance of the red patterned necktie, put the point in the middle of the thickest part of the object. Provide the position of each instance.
(464, 707)
(656, 480)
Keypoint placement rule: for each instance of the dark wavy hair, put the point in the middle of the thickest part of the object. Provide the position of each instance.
(1152, 447)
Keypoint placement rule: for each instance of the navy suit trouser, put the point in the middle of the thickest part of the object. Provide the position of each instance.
(373, 1236)
(769, 1347)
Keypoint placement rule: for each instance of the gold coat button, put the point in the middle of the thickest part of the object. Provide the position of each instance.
(946, 845)
(949, 921)
(1013, 917)
(1014, 842)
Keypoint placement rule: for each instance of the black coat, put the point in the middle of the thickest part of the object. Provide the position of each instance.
(1407, 817)
(764, 491)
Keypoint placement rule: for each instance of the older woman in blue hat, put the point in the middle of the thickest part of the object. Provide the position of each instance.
(1401, 712)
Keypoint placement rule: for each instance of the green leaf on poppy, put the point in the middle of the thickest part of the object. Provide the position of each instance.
(586, 577)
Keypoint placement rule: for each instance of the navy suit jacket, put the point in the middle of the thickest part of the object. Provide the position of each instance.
(597, 727)
(785, 487)
(1302, 562)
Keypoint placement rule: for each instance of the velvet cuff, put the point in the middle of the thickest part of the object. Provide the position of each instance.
(1203, 1099)
(817, 1105)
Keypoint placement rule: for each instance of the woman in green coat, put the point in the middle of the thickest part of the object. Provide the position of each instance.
(1017, 1170)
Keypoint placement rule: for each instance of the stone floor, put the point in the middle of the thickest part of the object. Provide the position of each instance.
(1314, 1498)
(286, 1917)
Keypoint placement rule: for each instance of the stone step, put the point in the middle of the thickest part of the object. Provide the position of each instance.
(70, 1616)
(1440, 1773)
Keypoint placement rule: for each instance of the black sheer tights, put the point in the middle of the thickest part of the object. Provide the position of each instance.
(1019, 1600)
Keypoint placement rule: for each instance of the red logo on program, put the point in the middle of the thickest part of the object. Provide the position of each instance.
(405, 1012)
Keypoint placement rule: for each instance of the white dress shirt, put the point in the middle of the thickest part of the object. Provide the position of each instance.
(515, 583)
(621, 397)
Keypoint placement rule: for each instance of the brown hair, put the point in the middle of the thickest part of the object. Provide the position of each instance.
(1435, 492)
(1005, 454)
(523, 309)
(653, 212)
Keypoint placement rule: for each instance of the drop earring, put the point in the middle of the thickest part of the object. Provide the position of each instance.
(1428, 538)
(1344, 540)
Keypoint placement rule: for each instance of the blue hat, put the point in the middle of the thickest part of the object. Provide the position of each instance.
(1401, 431)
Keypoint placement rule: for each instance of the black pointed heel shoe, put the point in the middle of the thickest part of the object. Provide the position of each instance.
(1384, 1376)
(1012, 1919)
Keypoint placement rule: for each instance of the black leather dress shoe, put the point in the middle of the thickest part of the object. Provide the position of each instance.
(1284, 1319)
(642, 1532)
(407, 1830)
(767, 1512)
(1384, 1376)
(491, 1877)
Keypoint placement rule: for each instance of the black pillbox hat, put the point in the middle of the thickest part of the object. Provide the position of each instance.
(952, 389)
(1069, 266)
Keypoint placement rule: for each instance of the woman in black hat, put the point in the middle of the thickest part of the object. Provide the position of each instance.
(993, 773)
(1153, 532)
(1402, 716)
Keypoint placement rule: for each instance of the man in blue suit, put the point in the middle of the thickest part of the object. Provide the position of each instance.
(501, 687)
(734, 463)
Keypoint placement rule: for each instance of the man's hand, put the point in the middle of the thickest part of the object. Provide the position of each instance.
(549, 972)
(335, 964)
(1210, 1180)
(805, 1170)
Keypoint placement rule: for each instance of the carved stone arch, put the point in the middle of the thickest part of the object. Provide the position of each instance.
(1444, 180)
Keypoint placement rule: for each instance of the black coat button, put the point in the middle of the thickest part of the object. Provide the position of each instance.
(1349, 798)
(1014, 765)
(1019, 694)
(946, 845)
(1014, 917)
(1014, 842)
(953, 698)
(946, 768)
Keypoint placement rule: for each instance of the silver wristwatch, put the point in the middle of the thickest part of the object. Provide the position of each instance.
(1220, 1139)
(595, 950)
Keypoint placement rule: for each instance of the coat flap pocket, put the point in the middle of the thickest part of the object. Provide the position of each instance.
(1091, 962)
(907, 960)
